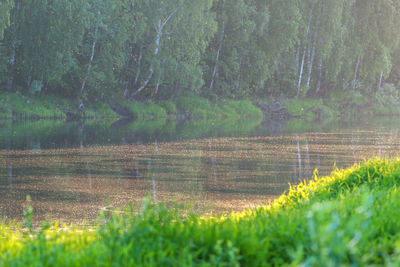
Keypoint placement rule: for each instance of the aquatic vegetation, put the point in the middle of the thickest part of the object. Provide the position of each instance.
(348, 218)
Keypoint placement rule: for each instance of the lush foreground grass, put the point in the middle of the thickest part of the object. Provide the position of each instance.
(349, 218)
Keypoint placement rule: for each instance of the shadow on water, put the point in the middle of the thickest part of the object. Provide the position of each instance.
(49, 134)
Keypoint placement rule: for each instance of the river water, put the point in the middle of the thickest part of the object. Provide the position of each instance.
(71, 171)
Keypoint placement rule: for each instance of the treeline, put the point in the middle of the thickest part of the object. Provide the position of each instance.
(146, 49)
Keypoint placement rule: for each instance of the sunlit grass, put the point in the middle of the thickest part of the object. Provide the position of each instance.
(348, 218)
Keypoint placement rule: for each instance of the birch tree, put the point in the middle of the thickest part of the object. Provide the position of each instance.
(174, 40)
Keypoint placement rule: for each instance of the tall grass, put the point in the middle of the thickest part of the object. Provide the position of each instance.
(349, 218)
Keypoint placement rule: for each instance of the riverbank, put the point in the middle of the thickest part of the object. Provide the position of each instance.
(19, 107)
(191, 108)
(343, 104)
(348, 218)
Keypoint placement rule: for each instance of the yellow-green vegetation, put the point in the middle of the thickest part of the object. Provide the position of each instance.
(349, 218)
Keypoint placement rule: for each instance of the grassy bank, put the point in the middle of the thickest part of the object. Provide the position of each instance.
(17, 106)
(349, 218)
(21, 107)
(192, 108)
(346, 104)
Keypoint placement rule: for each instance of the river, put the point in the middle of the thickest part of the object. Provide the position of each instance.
(71, 171)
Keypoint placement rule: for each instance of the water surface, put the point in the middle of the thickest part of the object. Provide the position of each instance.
(72, 170)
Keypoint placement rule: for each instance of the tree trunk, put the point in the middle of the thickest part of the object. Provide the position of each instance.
(310, 64)
(215, 71)
(356, 72)
(14, 22)
(139, 64)
(311, 60)
(159, 32)
(318, 87)
(306, 42)
(300, 74)
(128, 78)
(239, 75)
(157, 86)
(296, 71)
(92, 53)
(380, 81)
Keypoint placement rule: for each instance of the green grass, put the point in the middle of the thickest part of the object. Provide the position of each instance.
(18, 106)
(202, 108)
(143, 110)
(310, 109)
(349, 218)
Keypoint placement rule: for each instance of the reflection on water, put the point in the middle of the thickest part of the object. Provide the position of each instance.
(69, 176)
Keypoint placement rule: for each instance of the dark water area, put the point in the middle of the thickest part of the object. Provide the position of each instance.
(71, 170)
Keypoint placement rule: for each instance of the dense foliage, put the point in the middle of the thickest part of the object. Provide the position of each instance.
(149, 49)
(349, 218)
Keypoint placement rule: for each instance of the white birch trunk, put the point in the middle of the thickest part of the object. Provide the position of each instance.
(138, 70)
(139, 64)
(92, 53)
(239, 75)
(159, 32)
(157, 86)
(296, 71)
(319, 76)
(380, 81)
(356, 72)
(300, 74)
(311, 61)
(304, 55)
(215, 70)
(10, 81)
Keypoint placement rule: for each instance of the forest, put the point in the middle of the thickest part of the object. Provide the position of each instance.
(99, 50)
